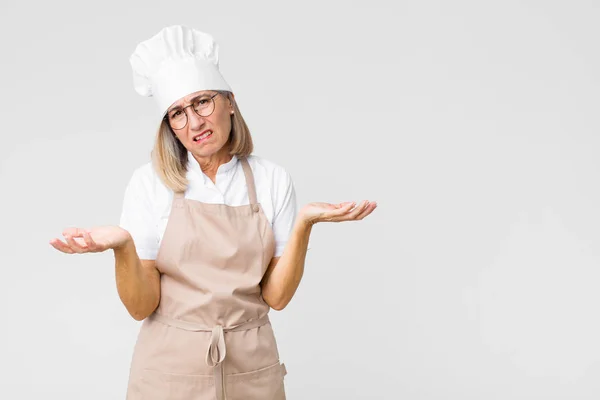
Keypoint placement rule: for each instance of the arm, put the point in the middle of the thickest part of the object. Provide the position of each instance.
(284, 273)
(138, 281)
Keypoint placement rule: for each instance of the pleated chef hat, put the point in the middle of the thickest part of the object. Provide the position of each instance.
(175, 62)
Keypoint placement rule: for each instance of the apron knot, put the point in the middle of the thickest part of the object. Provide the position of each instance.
(214, 358)
(215, 354)
(216, 351)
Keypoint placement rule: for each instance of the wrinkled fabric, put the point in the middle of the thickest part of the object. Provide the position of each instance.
(210, 337)
(175, 62)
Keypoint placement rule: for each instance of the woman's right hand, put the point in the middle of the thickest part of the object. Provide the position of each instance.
(94, 240)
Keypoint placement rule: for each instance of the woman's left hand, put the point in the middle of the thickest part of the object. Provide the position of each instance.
(325, 212)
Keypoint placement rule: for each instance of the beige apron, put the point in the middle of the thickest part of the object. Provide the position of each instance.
(210, 337)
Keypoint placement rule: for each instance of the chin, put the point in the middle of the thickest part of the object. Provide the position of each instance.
(206, 151)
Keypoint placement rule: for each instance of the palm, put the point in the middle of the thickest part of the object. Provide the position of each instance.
(320, 209)
(107, 237)
(93, 240)
(327, 212)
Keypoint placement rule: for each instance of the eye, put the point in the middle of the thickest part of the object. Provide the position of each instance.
(176, 114)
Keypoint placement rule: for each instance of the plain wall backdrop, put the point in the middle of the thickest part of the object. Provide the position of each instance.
(473, 124)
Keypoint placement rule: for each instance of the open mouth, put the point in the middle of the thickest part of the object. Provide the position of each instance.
(202, 136)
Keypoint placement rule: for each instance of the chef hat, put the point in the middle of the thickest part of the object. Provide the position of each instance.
(175, 62)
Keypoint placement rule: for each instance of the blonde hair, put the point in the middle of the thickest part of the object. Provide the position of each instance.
(169, 156)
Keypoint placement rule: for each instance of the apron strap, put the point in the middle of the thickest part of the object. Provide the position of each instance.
(250, 184)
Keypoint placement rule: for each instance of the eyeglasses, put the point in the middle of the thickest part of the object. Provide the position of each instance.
(203, 106)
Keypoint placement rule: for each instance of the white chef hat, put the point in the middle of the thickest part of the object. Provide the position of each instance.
(175, 62)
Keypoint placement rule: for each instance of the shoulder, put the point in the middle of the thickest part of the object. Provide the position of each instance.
(144, 172)
(143, 176)
(144, 181)
(275, 173)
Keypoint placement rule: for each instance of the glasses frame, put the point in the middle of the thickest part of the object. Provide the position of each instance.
(212, 98)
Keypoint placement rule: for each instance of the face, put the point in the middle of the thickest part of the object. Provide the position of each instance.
(203, 136)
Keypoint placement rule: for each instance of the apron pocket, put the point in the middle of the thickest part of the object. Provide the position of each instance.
(262, 384)
(157, 385)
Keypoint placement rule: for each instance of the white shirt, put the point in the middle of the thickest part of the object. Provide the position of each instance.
(147, 201)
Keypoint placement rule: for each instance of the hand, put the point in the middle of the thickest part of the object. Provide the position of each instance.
(92, 240)
(325, 212)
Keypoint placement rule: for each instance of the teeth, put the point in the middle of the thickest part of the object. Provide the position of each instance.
(202, 136)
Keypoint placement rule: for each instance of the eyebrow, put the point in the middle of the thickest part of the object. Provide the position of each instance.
(191, 101)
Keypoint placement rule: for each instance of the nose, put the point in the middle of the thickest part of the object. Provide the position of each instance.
(194, 120)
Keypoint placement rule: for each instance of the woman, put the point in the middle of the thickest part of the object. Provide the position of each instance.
(209, 238)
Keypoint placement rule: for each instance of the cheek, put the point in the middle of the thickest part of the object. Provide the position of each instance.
(223, 123)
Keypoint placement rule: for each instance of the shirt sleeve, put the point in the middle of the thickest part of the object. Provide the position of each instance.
(138, 216)
(286, 210)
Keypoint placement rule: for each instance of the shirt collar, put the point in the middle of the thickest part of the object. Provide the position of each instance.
(194, 166)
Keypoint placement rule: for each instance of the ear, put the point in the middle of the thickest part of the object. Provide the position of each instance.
(231, 100)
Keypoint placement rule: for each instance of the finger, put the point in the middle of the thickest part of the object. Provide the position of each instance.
(91, 245)
(339, 211)
(357, 210)
(351, 213)
(368, 210)
(76, 247)
(61, 246)
(343, 210)
(72, 231)
(345, 204)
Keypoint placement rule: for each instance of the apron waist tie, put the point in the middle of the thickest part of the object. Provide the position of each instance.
(215, 354)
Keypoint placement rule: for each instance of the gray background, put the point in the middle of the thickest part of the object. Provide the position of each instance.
(473, 124)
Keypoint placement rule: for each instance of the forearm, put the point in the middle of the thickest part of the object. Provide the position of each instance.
(284, 278)
(138, 288)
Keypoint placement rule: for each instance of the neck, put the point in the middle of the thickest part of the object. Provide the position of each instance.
(210, 164)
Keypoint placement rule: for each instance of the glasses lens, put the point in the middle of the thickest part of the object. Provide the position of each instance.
(204, 106)
(178, 119)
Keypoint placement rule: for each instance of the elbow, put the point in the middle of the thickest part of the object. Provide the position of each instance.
(276, 304)
(276, 296)
(140, 314)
